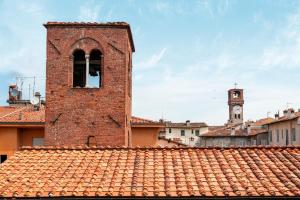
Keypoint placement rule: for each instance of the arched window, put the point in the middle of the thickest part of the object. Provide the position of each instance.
(79, 68)
(94, 76)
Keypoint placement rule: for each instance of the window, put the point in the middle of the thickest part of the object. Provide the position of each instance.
(192, 131)
(242, 143)
(81, 62)
(3, 158)
(94, 75)
(287, 137)
(170, 130)
(197, 133)
(236, 94)
(79, 69)
(293, 132)
(182, 133)
(277, 133)
(270, 135)
(37, 141)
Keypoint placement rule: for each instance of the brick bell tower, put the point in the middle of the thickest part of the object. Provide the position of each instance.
(235, 103)
(88, 84)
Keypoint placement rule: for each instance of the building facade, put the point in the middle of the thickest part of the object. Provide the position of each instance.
(185, 132)
(285, 130)
(20, 126)
(88, 84)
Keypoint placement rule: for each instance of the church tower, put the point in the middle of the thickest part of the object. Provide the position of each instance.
(235, 103)
(88, 84)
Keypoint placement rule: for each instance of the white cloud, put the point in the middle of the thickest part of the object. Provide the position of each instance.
(154, 60)
(89, 12)
(162, 6)
(24, 37)
(285, 50)
(25, 42)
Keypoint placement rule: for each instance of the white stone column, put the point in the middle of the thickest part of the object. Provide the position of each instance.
(87, 67)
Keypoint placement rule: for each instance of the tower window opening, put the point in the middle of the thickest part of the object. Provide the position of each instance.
(94, 73)
(79, 68)
(236, 94)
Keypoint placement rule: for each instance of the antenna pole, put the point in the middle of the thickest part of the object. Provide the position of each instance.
(235, 85)
(29, 91)
(33, 90)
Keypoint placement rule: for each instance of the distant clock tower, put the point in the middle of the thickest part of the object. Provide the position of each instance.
(235, 103)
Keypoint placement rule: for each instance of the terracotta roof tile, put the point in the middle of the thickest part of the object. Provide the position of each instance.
(285, 118)
(184, 125)
(138, 121)
(263, 121)
(26, 114)
(238, 131)
(148, 172)
(21, 114)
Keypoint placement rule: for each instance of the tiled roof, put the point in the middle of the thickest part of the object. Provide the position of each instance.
(263, 121)
(149, 172)
(285, 118)
(93, 24)
(226, 132)
(213, 128)
(26, 114)
(21, 114)
(88, 23)
(170, 142)
(138, 121)
(184, 125)
(4, 110)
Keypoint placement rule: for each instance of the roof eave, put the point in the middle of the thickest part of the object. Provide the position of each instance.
(108, 25)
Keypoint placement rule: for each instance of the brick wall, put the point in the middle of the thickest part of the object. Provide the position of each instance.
(74, 114)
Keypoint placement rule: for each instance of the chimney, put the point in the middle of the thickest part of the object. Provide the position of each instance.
(248, 129)
(285, 113)
(290, 112)
(277, 116)
(14, 95)
(232, 132)
(188, 122)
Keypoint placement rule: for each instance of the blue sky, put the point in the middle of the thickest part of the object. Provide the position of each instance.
(188, 53)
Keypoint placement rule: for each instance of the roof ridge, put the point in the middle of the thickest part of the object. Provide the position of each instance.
(8, 114)
(150, 148)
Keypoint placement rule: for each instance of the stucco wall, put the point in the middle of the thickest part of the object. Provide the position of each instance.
(176, 133)
(9, 140)
(27, 135)
(282, 127)
(144, 136)
(224, 141)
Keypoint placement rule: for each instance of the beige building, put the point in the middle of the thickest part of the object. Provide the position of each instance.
(285, 130)
(184, 132)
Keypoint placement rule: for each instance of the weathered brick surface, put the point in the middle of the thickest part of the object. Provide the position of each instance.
(74, 114)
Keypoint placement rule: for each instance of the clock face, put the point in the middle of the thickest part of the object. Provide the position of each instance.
(237, 109)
